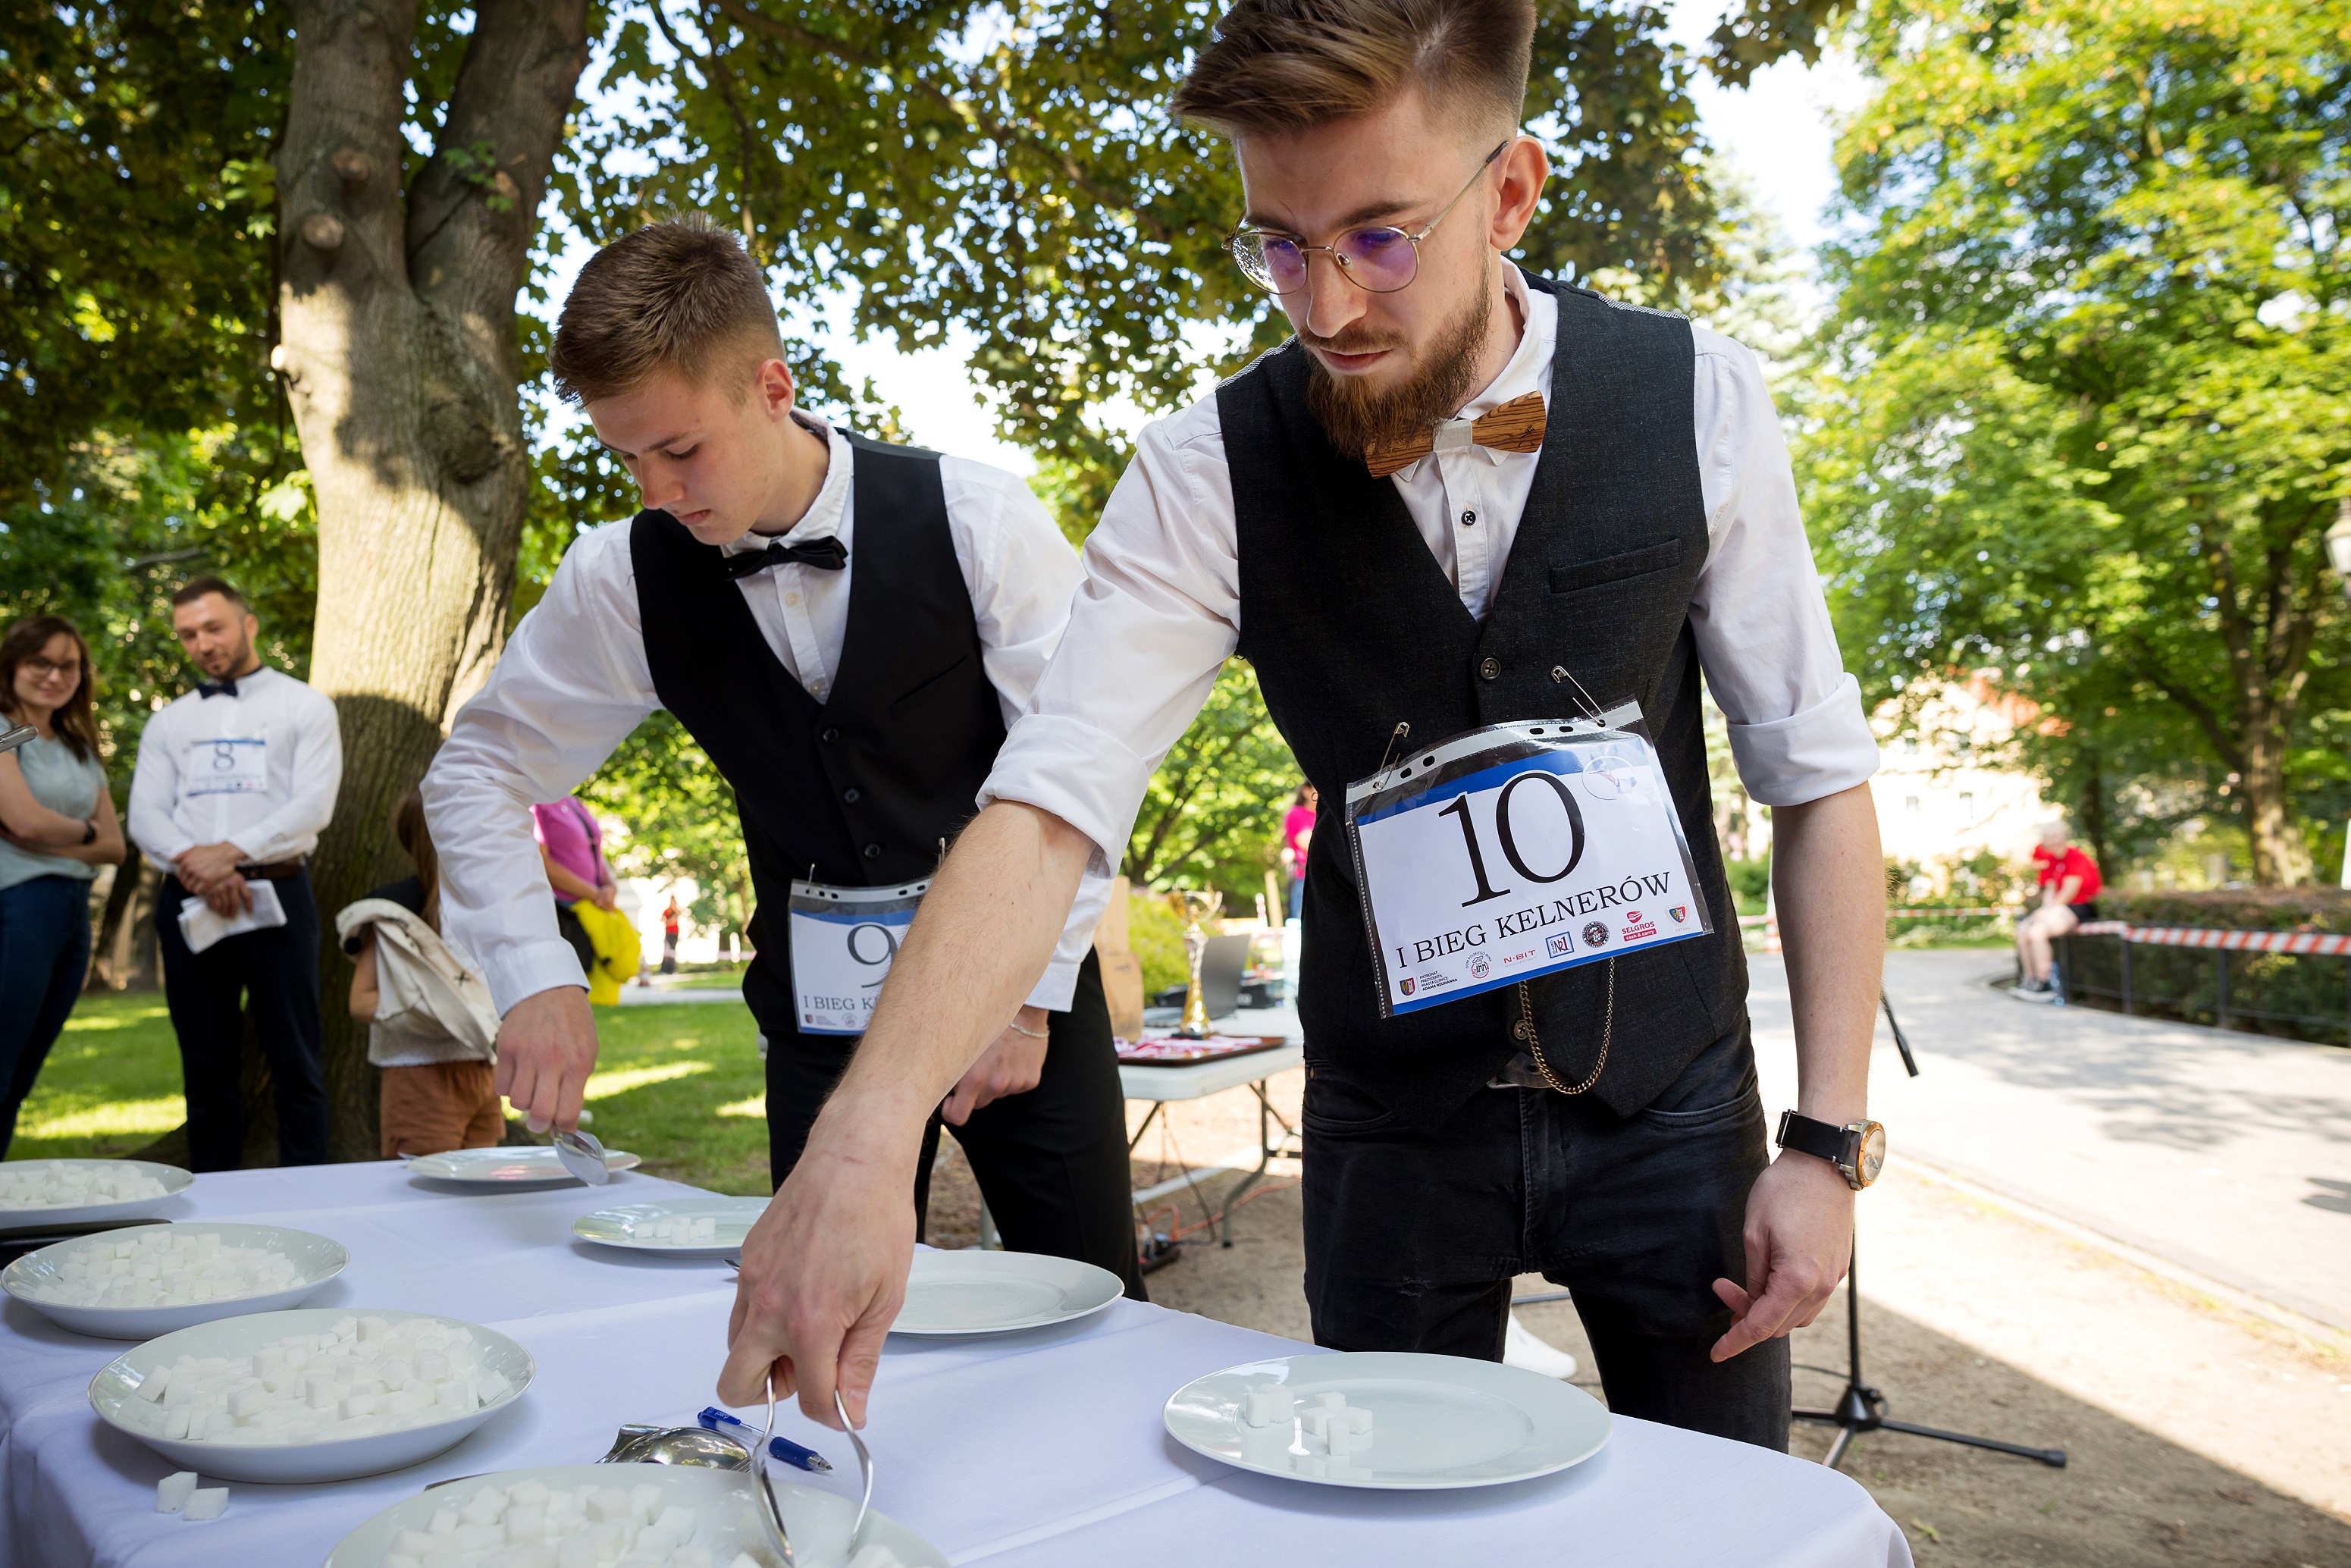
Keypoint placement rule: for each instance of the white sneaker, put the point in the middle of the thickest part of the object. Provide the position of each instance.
(1522, 1349)
(2027, 994)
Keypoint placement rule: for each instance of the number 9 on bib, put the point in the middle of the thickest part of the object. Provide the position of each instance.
(1517, 849)
(844, 940)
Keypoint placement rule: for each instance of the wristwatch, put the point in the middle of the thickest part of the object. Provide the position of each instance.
(1857, 1149)
(89, 831)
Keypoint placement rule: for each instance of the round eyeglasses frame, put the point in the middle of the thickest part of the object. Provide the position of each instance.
(1248, 245)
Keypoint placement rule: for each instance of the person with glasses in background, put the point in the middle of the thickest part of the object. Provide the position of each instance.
(57, 828)
(1459, 485)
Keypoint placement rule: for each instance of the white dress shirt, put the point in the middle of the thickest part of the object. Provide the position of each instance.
(1160, 610)
(574, 680)
(258, 770)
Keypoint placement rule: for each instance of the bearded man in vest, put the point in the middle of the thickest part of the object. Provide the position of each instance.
(1337, 515)
(845, 628)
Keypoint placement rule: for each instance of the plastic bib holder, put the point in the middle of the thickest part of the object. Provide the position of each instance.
(844, 940)
(1517, 849)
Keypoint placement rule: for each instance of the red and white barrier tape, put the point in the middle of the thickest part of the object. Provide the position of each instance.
(2319, 943)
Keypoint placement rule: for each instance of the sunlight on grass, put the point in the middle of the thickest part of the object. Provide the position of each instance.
(754, 1106)
(604, 1085)
(119, 1119)
(121, 1016)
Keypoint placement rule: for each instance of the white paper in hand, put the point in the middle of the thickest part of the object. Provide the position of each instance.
(201, 928)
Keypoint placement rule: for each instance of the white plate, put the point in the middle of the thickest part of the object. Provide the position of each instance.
(176, 1182)
(620, 1227)
(728, 1514)
(318, 1259)
(997, 1292)
(293, 1462)
(537, 1165)
(1437, 1421)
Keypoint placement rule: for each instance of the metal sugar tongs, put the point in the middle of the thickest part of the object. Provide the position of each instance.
(864, 1465)
(767, 1488)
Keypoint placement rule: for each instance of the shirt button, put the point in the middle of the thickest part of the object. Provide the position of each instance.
(1468, 519)
(873, 852)
(1491, 669)
(791, 598)
(850, 796)
(829, 735)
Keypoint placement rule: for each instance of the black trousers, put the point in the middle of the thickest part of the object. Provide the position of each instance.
(1412, 1237)
(278, 971)
(1052, 1163)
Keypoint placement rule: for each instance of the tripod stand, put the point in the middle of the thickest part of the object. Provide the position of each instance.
(1861, 1409)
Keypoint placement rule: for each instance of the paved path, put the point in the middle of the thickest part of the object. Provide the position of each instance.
(2227, 1154)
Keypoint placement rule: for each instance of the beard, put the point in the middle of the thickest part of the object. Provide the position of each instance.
(1356, 418)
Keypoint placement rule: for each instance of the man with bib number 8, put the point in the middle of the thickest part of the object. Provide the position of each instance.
(1464, 504)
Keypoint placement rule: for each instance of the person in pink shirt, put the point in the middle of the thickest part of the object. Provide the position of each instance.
(571, 847)
(1297, 831)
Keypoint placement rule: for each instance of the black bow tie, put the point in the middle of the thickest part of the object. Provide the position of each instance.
(226, 688)
(825, 554)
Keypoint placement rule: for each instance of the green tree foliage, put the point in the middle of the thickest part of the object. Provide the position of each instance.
(2088, 411)
(1213, 812)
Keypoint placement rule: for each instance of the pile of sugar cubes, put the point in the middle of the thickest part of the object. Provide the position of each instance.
(679, 1231)
(62, 1184)
(363, 1376)
(532, 1525)
(179, 1493)
(1320, 1438)
(163, 1266)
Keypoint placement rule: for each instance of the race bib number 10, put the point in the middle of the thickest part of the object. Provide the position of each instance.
(1515, 851)
(844, 941)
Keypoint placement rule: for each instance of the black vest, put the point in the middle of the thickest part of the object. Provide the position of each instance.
(1352, 626)
(862, 786)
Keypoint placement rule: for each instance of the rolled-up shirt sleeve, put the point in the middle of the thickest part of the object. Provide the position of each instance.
(1155, 621)
(1797, 729)
(569, 686)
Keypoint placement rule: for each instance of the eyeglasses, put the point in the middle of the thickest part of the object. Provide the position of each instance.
(1376, 260)
(43, 670)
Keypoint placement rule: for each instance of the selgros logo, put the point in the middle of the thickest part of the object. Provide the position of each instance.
(1638, 927)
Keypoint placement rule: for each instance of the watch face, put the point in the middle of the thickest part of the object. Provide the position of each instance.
(1873, 1152)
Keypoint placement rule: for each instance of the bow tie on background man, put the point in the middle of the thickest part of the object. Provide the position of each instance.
(1515, 426)
(828, 554)
(226, 688)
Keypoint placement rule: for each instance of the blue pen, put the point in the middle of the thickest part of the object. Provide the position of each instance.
(784, 1448)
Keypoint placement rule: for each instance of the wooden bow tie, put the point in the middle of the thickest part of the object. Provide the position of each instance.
(1516, 426)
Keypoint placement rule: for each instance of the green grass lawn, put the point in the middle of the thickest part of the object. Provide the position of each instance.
(680, 1085)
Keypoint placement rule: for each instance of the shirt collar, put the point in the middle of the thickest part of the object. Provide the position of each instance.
(1528, 369)
(828, 515)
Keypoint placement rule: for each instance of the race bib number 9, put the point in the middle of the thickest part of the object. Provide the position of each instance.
(1515, 851)
(844, 941)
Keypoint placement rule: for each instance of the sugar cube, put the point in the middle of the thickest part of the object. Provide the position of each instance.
(206, 1502)
(171, 1491)
(1266, 1405)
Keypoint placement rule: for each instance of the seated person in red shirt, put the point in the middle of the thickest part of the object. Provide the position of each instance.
(2069, 893)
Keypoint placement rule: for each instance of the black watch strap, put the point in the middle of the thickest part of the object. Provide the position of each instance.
(89, 831)
(1824, 1140)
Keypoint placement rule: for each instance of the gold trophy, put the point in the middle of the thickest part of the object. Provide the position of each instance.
(1197, 907)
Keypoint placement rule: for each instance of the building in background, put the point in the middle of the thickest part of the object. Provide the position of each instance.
(1944, 793)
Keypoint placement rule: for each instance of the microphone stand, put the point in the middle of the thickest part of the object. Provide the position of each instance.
(1862, 1408)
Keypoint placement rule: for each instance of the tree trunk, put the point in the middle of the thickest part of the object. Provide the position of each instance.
(401, 366)
(2281, 858)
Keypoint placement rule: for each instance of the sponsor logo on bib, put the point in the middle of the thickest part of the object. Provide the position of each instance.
(1680, 912)
(1407, 986)
(1556, 946)
(1595, 934)
(1480, 967)
(1638, 927)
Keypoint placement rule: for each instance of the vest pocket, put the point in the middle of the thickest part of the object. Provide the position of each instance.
(927, 685)
(1576, 576)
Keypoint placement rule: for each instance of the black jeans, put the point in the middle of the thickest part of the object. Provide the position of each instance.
(207, 992)
(1052, 1163)
(1412, 1237)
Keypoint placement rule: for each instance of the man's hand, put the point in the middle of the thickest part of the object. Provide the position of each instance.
(546, 1049)
(1799, 1239)
(201, 868)
(1012, 1065)
(852, 1209)
(230, 896)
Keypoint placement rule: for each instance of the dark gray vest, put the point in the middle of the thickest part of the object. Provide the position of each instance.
(1352, 626)
(862, 786)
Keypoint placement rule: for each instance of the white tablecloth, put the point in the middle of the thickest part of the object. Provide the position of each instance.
(1039, 1450)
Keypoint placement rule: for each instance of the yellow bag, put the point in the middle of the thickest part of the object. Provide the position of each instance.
(619, 952)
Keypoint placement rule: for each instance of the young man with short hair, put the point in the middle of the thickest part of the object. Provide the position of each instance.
(1460, 486)
(846, 629)
(235, 782)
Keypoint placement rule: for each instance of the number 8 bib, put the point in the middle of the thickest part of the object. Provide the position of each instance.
(843, 940)
(1516, 850)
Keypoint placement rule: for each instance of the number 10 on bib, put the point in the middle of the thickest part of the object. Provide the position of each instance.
(1517, 849)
